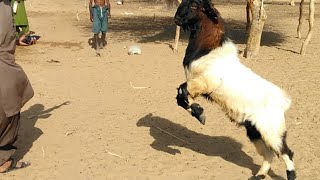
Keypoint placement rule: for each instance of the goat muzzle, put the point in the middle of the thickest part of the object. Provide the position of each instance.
(177, 21)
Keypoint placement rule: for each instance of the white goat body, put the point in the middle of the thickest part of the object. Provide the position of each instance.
(241, 93)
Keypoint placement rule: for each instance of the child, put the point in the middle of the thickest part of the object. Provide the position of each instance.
(99, 17)
(22, 25)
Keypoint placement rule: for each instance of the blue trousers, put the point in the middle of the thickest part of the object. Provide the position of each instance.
(100, 19)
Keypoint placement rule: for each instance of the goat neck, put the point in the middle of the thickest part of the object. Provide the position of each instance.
(205, 36)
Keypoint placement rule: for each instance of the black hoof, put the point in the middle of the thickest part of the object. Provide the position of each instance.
(197, 112)
(291, 175)
(182, 97)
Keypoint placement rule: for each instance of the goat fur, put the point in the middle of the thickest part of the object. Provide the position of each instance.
(213, 69)
(241, 93)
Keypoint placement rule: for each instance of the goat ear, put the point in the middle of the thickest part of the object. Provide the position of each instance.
(211, 12)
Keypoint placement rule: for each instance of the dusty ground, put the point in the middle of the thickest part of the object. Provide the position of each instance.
(85, 109)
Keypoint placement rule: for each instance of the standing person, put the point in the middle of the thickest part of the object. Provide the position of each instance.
(21, 21)
(99, 14)
(15, 91)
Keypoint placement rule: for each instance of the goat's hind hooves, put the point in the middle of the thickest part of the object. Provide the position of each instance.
(198, 112)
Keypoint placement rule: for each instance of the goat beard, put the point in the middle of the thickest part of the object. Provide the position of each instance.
(185, 27)
(189, 27)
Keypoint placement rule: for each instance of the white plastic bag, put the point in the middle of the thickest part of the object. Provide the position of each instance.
(134, 49)
(15, 6)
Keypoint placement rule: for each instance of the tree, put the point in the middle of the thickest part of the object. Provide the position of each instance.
(256, 27)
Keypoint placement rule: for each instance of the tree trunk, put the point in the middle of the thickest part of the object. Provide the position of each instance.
(177, 37)
(258, 18)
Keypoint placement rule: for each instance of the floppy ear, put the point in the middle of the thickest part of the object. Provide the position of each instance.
(210, 11)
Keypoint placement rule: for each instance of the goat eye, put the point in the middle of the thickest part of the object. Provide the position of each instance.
(194, 6)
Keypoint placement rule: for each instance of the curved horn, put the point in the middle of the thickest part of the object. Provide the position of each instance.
(210, 11)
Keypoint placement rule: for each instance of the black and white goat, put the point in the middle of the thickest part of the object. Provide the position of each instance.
(213, 70)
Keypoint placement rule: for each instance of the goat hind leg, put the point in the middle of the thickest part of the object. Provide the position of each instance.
(280, 147)
(287, 156)
(261, 147)
(267, 155)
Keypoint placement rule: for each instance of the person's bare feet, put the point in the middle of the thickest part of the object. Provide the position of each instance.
(5, 166)
(11, 165)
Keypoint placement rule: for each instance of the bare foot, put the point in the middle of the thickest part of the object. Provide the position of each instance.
(5, 166)
(11, 165)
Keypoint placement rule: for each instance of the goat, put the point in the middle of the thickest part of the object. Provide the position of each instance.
(213, 70)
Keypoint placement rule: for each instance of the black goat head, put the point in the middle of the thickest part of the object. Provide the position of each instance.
(190, 11)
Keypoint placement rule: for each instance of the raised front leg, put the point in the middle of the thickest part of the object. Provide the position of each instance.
(186, 101)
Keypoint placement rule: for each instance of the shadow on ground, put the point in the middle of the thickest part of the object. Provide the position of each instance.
(28, 132)
(222, 146)
(148, 29)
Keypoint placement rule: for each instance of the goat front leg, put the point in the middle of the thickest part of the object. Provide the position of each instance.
(185, 100)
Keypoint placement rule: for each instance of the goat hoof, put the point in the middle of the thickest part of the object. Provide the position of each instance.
(202, 119)
(197, 111)
(291, 175)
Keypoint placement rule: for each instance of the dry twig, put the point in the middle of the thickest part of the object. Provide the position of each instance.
(33, 116)
(78, 18)
(116, 155)
(134, 87)
(172, 135)
(69, 133)
(43, 153)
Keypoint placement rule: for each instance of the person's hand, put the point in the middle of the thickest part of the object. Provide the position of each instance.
(22, 43)
(109, 15)
(33, 41)
(91, 18)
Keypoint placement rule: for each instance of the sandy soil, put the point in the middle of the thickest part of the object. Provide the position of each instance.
(85, 109)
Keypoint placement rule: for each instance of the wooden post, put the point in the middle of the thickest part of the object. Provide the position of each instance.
(300, 19)
(249, 9)
(258, 18)
(311, 21)
(176, 39)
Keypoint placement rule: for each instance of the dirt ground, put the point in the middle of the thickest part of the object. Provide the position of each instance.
(86, 121)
